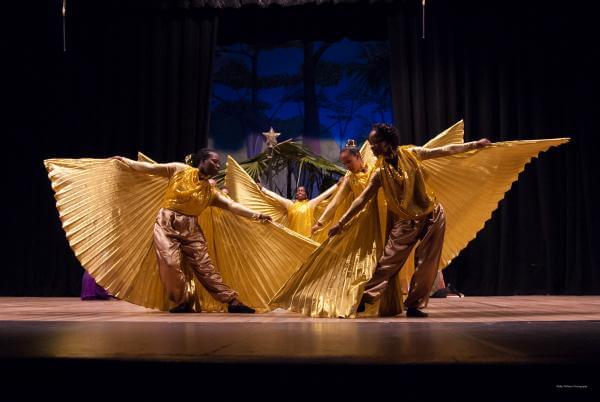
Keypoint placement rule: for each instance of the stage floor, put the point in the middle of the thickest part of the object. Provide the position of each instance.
(470, 329)
(517, 334)
(449, 310)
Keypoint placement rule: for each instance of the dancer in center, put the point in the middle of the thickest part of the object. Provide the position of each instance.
(330, 282)
(353, 183)
(298, 215)
(301, 211)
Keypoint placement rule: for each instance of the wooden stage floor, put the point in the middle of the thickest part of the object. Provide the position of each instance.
(485, 339)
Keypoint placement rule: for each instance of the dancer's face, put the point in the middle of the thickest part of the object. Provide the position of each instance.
(211, 165)
(351, 162)
(378, 145)
(301, 193)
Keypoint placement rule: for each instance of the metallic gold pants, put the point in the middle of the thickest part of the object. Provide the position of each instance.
(178, 239)
(403, 236)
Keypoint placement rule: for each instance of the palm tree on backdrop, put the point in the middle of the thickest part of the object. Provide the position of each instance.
(371, 76)
(294, 159)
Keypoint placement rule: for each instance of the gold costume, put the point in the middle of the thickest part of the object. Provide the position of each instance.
(108, 210)
(187, 194)
(471, 184)
(330, 282)
(468, 185)
(417, 222)
(299, 216)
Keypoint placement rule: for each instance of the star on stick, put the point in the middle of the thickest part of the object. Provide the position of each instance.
(271, 137)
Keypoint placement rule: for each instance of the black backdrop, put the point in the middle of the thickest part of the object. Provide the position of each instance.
(137, 78)
(512, 70)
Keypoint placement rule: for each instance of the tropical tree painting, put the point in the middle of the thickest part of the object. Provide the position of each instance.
(316, 94)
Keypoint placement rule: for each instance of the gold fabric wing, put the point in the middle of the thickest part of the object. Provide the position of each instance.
(367, 154)
(470, 185)
(108, 213)
(254, 258)
(244, 190)
(331, 281)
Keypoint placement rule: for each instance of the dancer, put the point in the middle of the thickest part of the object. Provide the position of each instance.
(298, 214)
(329, 282)
(352, 184)
(300, 211)
(177, 235)
(108, 208)
(467, 179)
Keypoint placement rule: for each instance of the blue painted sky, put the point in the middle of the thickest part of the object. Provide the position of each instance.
(342, 115)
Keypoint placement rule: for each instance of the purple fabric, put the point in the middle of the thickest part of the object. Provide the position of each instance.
(254, 144)
(90, 290)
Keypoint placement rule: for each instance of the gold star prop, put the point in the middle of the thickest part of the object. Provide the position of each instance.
(271, 137)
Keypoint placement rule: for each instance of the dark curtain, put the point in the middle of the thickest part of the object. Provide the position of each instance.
(136, 76)
(512, 70)
(132, 79)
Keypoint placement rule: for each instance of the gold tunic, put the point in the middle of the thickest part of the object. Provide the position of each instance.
(300, 217)
(358, 181)
(404, 186)
(187, 193)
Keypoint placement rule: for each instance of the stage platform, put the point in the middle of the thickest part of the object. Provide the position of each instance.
(543, 345)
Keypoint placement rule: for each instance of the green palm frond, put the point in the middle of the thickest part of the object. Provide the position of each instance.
(280, 158)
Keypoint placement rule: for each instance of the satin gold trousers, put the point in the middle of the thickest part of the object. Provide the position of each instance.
(403, 237)
(178, 239)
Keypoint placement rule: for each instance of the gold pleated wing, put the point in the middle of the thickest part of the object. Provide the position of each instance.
(244, 190)
(254, 258)
(108, 212)
(331, 281)
(366, 154)
(470, 185)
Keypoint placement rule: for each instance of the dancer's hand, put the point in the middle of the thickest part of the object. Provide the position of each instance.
(316, 227)
(482, 143)
(335, 229)
(119, 158)
(264, 218)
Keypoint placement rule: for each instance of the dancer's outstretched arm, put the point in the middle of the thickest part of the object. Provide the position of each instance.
(282, 200)
(158, 169)
(452, 149)
(343, 191)
(359, 203)
(222, 202)
(315, 201)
